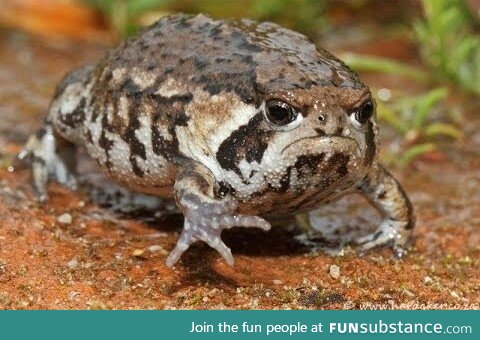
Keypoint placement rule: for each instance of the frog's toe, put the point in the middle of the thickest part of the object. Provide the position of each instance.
(65, 177)
(182, 245)
(208, 228)
(389, 234)
(50, 157)
(374, 240)
(229, 221)
(217, 244)
(198, 232)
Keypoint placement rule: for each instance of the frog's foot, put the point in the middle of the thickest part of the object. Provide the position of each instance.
(204, 221)
(390, 233)
(50, 157)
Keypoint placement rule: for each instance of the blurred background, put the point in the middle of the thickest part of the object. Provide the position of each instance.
(421, 57)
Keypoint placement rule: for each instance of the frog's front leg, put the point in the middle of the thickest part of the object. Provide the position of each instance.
(205, 215)
(383, 191)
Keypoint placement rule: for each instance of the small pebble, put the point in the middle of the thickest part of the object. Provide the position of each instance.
(155, 248)
(72, 264)
(427, 280)
(65, 218)
(72, 295)
(138, 252)
(334, 271)
(454, 294)
(277, 282)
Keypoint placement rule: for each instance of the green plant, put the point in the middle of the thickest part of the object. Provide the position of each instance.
(449, 44)
(384, 65)
(411, 118)
(307, 16)
(121, 14)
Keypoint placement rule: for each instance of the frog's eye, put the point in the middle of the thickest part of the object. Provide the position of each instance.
(281, 114)
(361, 115)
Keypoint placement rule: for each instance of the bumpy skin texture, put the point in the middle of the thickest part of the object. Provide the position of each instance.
(182, 110)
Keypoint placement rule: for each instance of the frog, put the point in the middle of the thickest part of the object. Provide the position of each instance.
(233, 119)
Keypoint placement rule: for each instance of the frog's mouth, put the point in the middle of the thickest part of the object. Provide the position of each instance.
(315, 144)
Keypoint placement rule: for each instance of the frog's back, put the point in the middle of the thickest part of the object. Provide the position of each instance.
(242, 56)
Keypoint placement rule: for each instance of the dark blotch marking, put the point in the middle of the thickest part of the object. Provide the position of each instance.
(339, 161)
(130, 89)
(370, 145)
(75, 118)
(247, 46)
(224, 189)
(376, 235)
(242, 84)
(105, 143)
(247, 59)
(308, 164)
(382, 195)
(170, 111)
(342, 170)
(136, 147)
(214, 32)
(89, 136)
(248, 142)
(183, 24)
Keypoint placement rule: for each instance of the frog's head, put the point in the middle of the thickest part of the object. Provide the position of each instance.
(313, 128)
(322, 138)
(324, 133)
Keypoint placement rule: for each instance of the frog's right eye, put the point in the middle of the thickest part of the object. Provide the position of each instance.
(282, 115)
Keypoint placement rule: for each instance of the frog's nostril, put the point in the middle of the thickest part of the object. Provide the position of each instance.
(321, 118)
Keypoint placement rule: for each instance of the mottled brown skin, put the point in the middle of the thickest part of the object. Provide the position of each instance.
(227, 117)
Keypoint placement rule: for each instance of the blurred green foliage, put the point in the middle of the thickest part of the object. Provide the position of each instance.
(449, 43)
(384, 65)
(121, 15)
(412, 118)
(124, 16)
(307, 16)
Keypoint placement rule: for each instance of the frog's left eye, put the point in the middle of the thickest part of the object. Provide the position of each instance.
(361, 115)
(281, 115)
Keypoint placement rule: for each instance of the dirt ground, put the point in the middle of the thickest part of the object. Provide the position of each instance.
(73, 254)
